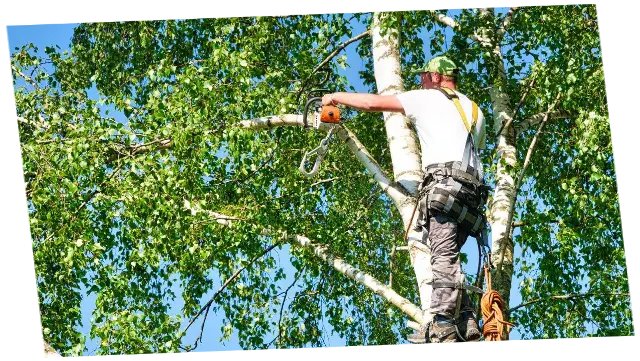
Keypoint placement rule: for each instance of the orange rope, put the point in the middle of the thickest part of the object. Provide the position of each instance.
(492, 307)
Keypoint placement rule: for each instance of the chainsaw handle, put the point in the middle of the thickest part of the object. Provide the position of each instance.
(306, 110)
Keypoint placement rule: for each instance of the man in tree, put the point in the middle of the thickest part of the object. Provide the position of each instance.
(443, 137)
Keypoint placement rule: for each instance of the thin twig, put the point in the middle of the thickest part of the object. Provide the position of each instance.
(86, 201)
(565, 297)
(524, 95)
(329, 57)
(284, 300)
(324, 181)
(228, 281)
(339, 49)
(393, 254)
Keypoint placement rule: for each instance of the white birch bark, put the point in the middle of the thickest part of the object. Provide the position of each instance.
(48, 353)
(365, 279)
(404, 150)
(504, 195)
(535, 119)
(403, 145)
(337, 263)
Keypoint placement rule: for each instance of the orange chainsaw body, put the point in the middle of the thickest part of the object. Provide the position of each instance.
(330, 114)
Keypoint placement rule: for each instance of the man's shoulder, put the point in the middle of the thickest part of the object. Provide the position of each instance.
(414, 91)
(418, 93)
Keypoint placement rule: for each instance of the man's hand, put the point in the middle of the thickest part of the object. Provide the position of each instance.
(327, 99)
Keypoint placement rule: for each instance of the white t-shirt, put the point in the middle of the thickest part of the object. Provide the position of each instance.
(440, 128)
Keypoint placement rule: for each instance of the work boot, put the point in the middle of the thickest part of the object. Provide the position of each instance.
(419, 336)
(442, 330)
(468, 327)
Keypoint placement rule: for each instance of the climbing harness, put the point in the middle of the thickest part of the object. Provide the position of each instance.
(325, 114)
(457, 190)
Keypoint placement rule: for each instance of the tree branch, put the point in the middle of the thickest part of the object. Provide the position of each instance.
(324, 181)
(84, 203)
(364, 279)
(524, 96)
(445, 20)
(339, 49)
(142, 148)
(219, 218)
(522, 224)
(395, 191)
(284, 300)
(537, 118)
(26, 77)
(338, 264)
(506, 21)
(565, 297)
(328, 58)
(284, 120)
(48, 353)
(414, 325)
(391, 259)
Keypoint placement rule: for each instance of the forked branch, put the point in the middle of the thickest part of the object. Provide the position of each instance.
(395, 191)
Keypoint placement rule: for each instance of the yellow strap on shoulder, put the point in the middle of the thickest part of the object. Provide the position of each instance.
(474, 109)
(456, 101)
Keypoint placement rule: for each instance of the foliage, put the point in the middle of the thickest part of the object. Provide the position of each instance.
(124, 136)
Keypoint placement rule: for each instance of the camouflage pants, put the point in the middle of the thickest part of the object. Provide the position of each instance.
(445, 240)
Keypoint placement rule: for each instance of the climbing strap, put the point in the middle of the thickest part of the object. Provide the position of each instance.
(451, 95)
(319, 152)
(459, 285)
(469, 149)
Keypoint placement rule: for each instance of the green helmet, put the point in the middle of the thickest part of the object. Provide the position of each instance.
(441, 65)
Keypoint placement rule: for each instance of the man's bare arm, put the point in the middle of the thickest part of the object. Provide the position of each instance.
(365, 102)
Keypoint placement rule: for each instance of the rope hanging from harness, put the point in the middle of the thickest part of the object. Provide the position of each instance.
(492, 307)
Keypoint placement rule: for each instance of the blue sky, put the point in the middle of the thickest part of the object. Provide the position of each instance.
(60, 34)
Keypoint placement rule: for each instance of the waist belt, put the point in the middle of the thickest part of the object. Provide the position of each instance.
(459, 285)
(456, 170)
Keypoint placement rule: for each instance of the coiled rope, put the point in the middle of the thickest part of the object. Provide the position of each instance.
(492, 307)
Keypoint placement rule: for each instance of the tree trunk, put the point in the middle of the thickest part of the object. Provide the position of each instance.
(48, 353)
(404, 149)
(505, 193)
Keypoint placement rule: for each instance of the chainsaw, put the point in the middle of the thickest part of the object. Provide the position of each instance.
(323, 114)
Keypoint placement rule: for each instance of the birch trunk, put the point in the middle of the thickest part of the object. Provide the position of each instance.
(504, 194)
(48, 353)
(404, 150)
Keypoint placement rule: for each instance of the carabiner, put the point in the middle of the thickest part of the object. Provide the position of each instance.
(320, 151)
